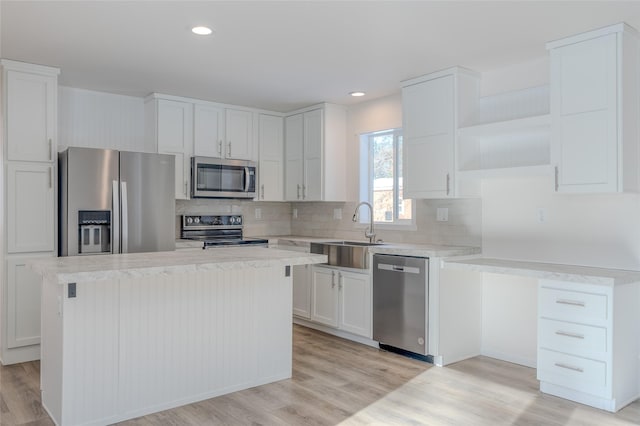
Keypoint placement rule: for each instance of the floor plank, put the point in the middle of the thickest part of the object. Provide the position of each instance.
(336, 381)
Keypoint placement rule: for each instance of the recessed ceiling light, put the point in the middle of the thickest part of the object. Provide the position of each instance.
(201, 30)
(357, 93)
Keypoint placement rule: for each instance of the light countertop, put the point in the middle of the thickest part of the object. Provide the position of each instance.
(106, 267)
(547, 271)
(404, 249)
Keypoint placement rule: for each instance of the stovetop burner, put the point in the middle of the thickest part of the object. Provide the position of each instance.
(217, 230)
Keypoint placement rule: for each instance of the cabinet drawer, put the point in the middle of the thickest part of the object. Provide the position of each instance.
(576, 339)
(573, 305)
(573, 372)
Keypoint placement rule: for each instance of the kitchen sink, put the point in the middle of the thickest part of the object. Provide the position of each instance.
(348, 254)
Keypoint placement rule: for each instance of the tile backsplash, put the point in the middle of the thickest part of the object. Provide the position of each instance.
(316, 219)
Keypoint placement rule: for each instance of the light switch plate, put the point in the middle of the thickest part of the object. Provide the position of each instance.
(442, 214)
(337, 214)
(258, 213)
(295, 213)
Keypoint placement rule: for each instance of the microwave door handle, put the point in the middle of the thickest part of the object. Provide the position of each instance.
(115, 217)
(246, 179)
(125, 219)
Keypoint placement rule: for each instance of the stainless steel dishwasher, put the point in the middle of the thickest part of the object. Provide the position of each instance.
(400, 302)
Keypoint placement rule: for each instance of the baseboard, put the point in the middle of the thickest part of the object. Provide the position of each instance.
(527, 362)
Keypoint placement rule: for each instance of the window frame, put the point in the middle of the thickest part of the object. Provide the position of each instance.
(366, 181)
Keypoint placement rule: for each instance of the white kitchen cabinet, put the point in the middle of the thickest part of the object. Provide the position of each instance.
(169, 124)
(302, 291)
(30, 102)
(22, 295)
(30, 207)
(594, 110)
(315, 154)
(588, 349)
(208, 130)
(341, 299)
(271, 167)
(239, 134)
(432, 106)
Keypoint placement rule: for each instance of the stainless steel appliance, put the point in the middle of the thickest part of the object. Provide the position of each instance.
(400, 302)
(115, 202)
(217, 231)
(218, 178)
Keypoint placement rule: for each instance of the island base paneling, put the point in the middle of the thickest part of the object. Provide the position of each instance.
(137, 346)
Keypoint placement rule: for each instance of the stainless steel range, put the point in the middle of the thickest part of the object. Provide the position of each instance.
(217, 231)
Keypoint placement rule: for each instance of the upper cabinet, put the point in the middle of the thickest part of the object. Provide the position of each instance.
(270, 168)
(239, 132)
(208, 131)
(594, 110)
(31, 104)
(315, 154)
(169, 124)
(432, 106)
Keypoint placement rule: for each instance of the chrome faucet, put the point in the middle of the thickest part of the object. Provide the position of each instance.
(369, 233)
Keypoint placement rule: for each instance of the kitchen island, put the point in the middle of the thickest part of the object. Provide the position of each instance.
(132, 334)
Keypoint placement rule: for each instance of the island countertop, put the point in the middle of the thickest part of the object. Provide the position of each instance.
(106, 267)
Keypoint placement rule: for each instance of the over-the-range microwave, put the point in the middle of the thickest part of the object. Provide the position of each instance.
(219, 178)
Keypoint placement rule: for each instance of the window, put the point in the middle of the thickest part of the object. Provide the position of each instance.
(381, 178)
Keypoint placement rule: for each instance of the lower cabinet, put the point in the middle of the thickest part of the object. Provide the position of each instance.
(341, 299)
(21, 310)
(302, 291)
(588, 347)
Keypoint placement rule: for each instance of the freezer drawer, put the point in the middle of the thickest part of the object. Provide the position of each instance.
(400, 301)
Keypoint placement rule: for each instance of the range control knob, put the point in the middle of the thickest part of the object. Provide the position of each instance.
(196, 219)
(189, 220)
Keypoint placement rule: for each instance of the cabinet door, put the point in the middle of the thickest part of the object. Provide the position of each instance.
(429, 138)
(31, 113)
(208, 131)
(271, 154)
(302, 291)
(584, 115)
(30, 207)
(22, 293)
(324, 296)
(355, 303)
(239, 134)
(294, 135)
(175, 136)
(313, 170)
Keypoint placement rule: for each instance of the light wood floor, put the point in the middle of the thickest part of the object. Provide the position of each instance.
(340, 382)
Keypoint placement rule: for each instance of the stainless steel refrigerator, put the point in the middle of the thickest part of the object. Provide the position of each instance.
(115, 202)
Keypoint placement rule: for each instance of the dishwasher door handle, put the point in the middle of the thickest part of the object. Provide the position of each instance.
(399, 268)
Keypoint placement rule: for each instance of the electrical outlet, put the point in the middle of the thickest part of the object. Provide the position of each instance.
(258, 213)
(295, 213)
(337, 214)
(442, 214)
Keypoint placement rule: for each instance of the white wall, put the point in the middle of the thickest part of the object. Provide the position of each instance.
(100, 120)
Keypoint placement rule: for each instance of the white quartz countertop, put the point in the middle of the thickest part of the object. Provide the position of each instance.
(547, 271)
(404, 249)
(106, 267)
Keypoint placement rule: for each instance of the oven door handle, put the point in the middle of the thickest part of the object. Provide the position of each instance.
(246, 179)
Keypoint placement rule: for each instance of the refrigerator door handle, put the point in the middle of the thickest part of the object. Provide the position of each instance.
(125, 218)
(115, 217)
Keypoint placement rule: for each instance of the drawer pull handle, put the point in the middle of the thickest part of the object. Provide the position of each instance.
(568, 334)
(570, 302)
(569, 367)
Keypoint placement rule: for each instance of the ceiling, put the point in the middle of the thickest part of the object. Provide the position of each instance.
(285, 55)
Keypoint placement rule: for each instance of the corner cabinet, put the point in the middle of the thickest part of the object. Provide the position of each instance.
(594, 110)
(315, 154)
(169, 125)
(271, 168)
(29, 99)
(432, 106)
(588, 347)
